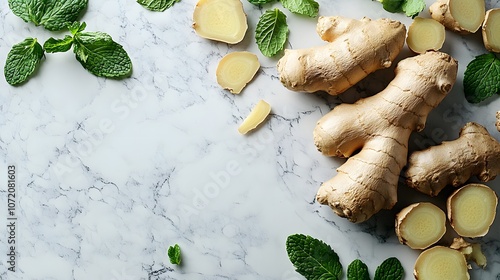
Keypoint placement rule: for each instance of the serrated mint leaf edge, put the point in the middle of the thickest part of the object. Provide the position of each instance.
(36, 54)
(157, 5)
(308, 8)
(471, 77)
(174, 254)
(357, 269)
(393, 264)
(274, 25)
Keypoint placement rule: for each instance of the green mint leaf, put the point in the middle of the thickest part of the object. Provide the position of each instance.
(261, 2)
(357, 270)
(22, 61)
(100, 55)
(482, 78)
(313, 258)
(157, 5)
(52, 14)
(174, 254)
(390, 269)
(413, 7)
(58, 45)
(271, 32)
(392, 6)
(76, 27)
(308, 8)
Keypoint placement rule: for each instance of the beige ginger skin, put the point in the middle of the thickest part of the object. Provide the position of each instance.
(356, 48)
(498, 121)
(380, 126)
(474, 153)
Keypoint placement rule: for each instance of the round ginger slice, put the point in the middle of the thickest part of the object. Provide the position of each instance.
(420, 225)
(425, 34)
(236, 70)
(472, 210)
(439, 263)
(490, 30)
(220, 20)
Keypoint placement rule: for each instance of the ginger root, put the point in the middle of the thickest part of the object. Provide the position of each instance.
(356, 48)
(462, 16)
(472, 210)
(491, 25)
(380, 126)
(420, 225)
(441, 262)
(236, 70)
(220, 20)
(425, 34)
(475, 152)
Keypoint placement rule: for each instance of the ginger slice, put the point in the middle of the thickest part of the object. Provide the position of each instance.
(425, 34)
(472, 210)
(258, 114)
(498, 121)
(463, 16)
(420, 225)
(472, 251)
(491, 36)
(236, 70)
(220, 20)
(441, 262)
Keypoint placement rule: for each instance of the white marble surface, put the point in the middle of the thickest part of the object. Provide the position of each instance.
(110, 173)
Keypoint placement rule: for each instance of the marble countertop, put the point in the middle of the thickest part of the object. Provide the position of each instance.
(110, 173)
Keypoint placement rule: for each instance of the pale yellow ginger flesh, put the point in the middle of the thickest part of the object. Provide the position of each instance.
(471, 251)
(420, 225)
(463, 16)
(472, 210)
(356, 48)
(258, 114)
(236, 70)
(379, 127)
(425, 34)
(220, 20)
(474, 153)
(490, 30)
(439, 263)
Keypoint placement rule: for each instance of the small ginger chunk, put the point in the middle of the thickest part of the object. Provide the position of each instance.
(425, 34)
(258, 114)
(491, 26)
(220, 20)
(236, 70)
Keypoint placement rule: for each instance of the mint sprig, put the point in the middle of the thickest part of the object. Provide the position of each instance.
(22, 61)
(410, 8)
(357, 270)
(174, 254)
(313, 258)
(271, 32)
(390, 269)
(482, 78)
(157, 5)
(308, 8)
(51, 14)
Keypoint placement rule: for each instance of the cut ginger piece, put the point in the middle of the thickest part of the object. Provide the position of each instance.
(472, 210)
(425, 34)
(498, 121)
(258, 114)
(236, 70)
(491, 36)
(420, 225)
(472, 251)
(220, 20)
(441, 262)
(463, 16)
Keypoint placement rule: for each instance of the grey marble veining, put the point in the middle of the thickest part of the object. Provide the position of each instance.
(111, 173)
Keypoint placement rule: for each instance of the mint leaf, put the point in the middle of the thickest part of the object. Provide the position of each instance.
(174, 254)
(52, 14)
(390, 269)
(413, 7)
(157, 5)
(313, 258)
(482, 78)
(58, 45)
(308, 8)
(271, 32)
(392, 6)
(260, 2)
(100, 55)
(76, 27)
(22, 61)
(357, 270)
